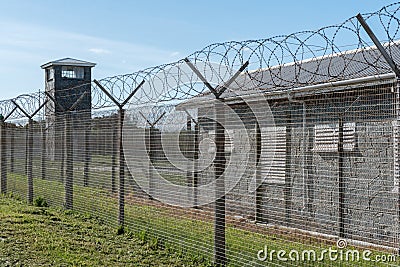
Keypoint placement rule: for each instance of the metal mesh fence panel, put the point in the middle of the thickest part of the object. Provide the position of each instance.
(273, 152)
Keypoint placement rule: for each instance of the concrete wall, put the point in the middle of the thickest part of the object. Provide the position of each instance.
(310, 197)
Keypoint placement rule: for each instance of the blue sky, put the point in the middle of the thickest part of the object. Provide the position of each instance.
(126, 36)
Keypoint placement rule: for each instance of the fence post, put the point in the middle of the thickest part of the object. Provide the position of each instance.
(68, 149)
(87, 155)
(29, 146)
(196, 163)
(288, 161)
(3, 153)
(219, 162)
(394, 68)
(187, 143)
(340, 179)
(12, 149)
(114, 158)
(62, 148)
(43, 154)
(29, 160)
(151, 156)
(219, 165)
(259, 189)
(309, 169)
(69, 173)
(150, 146)
(26, 149)
(195, 146)
(121, 116)
(121, 199)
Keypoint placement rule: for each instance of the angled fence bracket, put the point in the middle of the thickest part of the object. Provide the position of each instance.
(121, 116)
(29, 155)
(219, 163)
(68, 148)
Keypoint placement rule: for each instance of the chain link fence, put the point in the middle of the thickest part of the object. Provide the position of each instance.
(273, 152)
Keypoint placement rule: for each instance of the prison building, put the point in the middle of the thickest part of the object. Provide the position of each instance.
(334, 167)
(68, 82)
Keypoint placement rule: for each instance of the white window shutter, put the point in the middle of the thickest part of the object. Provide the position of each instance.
(327, 137)
(273, 154)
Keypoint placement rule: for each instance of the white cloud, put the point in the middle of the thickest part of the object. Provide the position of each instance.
(24, 47)
(174, 54)
(99, 51)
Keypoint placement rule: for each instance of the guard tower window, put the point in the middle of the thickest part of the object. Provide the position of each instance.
(50, 74)
(72, 72)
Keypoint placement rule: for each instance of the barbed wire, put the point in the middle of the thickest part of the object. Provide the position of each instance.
(276, 63)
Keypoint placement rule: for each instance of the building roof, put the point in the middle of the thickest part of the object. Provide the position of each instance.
(347, 65)
(319, 72)
(339, 71)
(68, 62)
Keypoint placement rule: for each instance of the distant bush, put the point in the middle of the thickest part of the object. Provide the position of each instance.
(120, 230)
(40, 202)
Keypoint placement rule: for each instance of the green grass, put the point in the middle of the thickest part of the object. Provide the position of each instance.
(37, 236)
(176, 232)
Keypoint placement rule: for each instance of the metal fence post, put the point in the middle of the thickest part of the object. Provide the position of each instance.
(29, 160)
(29, 146)
(288, 162)
(121, 116)
(26, 149)
(3, 162)
(62, 150)
(187, 152)
(43, 153)
(69, 173)
(151, 157)
(341, 183)
(12, 149)
(260, 189)
(389, 60)
(114, 158)
(195, 156)
(196, 164)
(68, 149)
(219, 162)
(219, 165)
(151, 150)
(121, 198)
(87, 155)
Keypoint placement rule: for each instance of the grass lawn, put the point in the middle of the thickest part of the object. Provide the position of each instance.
(157, 235)
(37, 236)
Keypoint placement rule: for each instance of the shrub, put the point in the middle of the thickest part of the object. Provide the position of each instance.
(120, 230)
(40, 202)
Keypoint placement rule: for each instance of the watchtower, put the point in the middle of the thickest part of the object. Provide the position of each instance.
(66, 80)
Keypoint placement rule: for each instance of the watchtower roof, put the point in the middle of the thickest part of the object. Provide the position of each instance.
(68, 62)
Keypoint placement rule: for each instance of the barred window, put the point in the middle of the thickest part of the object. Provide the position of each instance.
(72, 72)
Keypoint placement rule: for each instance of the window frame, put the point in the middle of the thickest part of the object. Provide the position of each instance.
(50, 74)
(72, 72)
